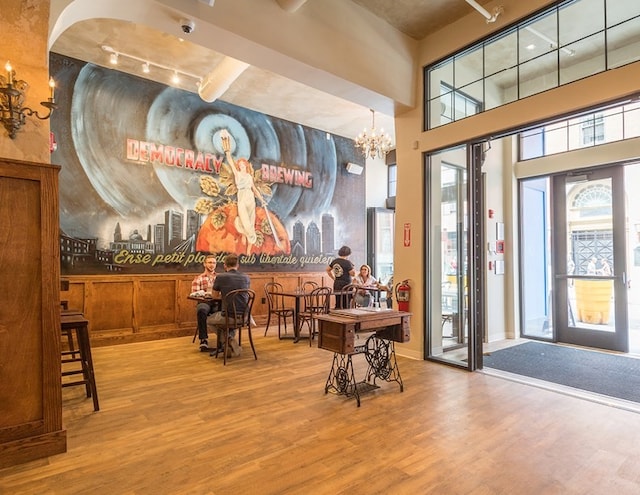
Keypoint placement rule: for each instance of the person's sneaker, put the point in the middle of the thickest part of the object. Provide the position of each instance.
(214, 352)
(234, 348)
(204, 345)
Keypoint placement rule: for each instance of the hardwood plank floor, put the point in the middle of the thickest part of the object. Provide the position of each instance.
(175, 421)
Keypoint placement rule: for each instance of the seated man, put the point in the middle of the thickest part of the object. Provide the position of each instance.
(203, 285)
(230, 280)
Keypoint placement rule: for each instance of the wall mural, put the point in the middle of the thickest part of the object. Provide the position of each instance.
(153, 178)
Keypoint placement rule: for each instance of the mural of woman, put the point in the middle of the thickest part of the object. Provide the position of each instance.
(245, 222)
(234, 223)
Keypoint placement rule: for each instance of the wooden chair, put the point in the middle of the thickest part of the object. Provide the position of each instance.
(81, 357)
(356, 290)
(276, 306)
(348, 296)
(309, 285)
(317, 302)
(237, 308)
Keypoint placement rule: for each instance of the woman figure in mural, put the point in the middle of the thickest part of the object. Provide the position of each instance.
(234, 223)
(243, 174)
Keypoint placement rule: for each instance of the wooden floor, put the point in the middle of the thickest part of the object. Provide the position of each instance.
(175, 421)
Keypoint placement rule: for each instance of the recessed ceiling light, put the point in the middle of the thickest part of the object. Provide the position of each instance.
(531, 47)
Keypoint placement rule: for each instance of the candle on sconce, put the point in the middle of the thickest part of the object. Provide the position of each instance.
(52, 88)
(9, 70)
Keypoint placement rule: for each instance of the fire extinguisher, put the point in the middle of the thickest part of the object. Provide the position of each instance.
(402, 295)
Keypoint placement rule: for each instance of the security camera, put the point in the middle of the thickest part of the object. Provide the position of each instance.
(187, 26)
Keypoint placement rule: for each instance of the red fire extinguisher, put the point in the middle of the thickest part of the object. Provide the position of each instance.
(403, 291)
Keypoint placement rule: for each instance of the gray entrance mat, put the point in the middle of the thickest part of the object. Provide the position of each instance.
(607, 374)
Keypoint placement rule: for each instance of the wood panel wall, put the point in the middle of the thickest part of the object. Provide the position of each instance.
(136, 308)
(30, 386)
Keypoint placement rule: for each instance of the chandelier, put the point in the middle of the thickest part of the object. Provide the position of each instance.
(373, 143)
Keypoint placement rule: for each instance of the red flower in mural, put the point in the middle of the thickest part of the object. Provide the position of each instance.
(219, 233)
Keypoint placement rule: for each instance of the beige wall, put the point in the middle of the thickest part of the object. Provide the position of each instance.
(24, 43)
(413, 143)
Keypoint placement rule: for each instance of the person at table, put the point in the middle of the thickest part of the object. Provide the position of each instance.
(202, 285)
(231, 279)
(364, 298)
(388, 287)
(342, 271)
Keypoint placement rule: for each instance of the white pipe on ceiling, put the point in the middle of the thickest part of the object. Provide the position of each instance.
(291, 5)
(218, 81)
(487, 15)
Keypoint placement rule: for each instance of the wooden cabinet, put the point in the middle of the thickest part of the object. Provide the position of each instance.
(340, 329)
(30, 383)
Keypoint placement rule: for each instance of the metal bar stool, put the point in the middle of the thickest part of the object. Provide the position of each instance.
(80, 325)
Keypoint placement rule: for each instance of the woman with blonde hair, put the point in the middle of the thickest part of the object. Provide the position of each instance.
(364, 279)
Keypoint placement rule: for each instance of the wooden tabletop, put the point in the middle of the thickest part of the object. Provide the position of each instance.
(205, 298)
(73, 321)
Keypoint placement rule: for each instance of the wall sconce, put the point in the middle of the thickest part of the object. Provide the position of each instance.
(12, 94)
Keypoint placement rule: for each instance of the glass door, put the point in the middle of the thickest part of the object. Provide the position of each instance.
(589, 259)
(448, 336)
(454, 255)
(380, 230)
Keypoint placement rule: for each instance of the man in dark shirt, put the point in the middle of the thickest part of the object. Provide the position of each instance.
(225, 282)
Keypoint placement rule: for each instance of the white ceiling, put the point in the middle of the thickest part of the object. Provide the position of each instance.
(256, 88)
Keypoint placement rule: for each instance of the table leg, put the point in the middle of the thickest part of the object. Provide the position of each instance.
(296, 321)
(381, 357)
(84, 341)
(341, 379)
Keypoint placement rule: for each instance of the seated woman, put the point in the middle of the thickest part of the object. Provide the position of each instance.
(364, 279)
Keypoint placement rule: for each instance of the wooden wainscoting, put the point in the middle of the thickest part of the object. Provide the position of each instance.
(135, 308)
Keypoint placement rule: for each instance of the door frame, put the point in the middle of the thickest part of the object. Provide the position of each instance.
(565, 330)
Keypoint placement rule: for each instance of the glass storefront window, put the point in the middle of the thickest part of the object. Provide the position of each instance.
(468, 67)
(565, 43)
(500, 54)
(605, 126)
(538, 37)
(538, 75)
(574, 67)
(622, 41)
(571, 31)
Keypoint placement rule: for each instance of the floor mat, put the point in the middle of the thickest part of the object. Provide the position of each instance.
(602, 373)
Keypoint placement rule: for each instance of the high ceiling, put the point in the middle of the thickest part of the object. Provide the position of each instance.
(256, 88)
(419, 18)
